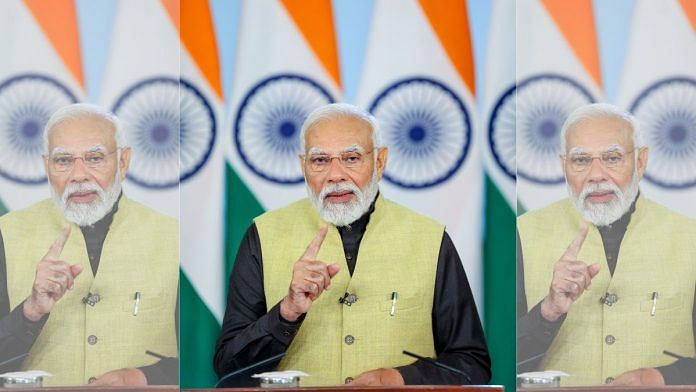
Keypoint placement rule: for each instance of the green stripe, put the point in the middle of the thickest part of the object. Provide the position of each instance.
(499, 285)
(199, 330)
(241, 209)
(3, 209)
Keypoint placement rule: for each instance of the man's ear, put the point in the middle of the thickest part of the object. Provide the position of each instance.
(382, 153)
(642, 162)
(124, 162)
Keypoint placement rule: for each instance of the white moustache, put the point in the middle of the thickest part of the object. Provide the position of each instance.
(340, 187)
(599, 187)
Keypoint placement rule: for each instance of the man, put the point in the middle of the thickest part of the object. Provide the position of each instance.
(337, 319)
(88, 280)
(608, 278)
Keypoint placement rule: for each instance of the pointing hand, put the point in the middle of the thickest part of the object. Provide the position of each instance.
(310, 278)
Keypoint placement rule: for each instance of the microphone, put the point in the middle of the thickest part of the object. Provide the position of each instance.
(13, 359)
(245, 373)
(608, 299)
(530, 359)
(91, 299)
(348, 299)
(439, 364)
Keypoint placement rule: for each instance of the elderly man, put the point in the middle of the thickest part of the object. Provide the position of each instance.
(608, 278)
(297, 286)
(89, 279)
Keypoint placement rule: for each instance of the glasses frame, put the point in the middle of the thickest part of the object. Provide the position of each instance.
(601, 162)
(76, 157)
(336, 156)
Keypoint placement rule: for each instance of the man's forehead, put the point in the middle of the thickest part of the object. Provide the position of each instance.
(339, 133)
(355, 147)
(607, 148)
(599, 134)
(84, 131)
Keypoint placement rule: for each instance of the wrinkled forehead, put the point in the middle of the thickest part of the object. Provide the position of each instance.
(348, 149)
(82, 134)
(599, 135)
(603, 149)
(338, 134)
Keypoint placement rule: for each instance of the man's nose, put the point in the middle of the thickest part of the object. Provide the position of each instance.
(80, 171)
(597, 171)
(336, 172)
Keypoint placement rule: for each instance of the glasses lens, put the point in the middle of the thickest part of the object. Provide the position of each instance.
(94, 159)
(62, 162)
(351, 159)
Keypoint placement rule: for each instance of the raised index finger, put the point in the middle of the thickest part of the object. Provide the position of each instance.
(55, 250)
(315, 245)
(574, 248)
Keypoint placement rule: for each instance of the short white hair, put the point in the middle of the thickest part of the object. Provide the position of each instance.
(600, 110)
(339, 110)
(84, 110)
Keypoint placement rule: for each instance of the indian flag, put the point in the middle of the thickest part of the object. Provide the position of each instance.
(498, 152)
(418, 80)
(202, 193)
(40, 71)
(659, 88)
(141, 86)
(557, 71)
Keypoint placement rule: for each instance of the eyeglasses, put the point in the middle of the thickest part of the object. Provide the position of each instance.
(349, 160)
(608, 159)
(65, 162)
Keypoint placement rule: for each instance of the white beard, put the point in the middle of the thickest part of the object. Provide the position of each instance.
(342, 214)
(604, 214)
(87, 214)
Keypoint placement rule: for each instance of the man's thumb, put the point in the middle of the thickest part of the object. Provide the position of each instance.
(75, 269)
(333, 269)
(593, 270)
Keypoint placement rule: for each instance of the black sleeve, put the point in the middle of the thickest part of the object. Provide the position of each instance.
(682, 372)
(534, 333)
(166, 370)
(17, 333)
(250, 332)
(457, 332)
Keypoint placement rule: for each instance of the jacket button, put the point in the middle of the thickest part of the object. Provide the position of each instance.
(92, 340)
(609, 380)
(349, 339)
(286, 333)
(91, 380)
(349, 380)
(613, 298)
(610, 339)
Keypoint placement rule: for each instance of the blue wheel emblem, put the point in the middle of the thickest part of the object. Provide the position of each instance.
(198, 130)
(268, 122)
(543, 103)
(26, 103)
(667, 114)
(502, 132)
(427, 128)
(171, 128)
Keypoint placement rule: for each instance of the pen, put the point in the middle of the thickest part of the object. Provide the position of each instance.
(137, 303)
(154, 354)
(654, 305)
(673, 355)
(393, 308)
